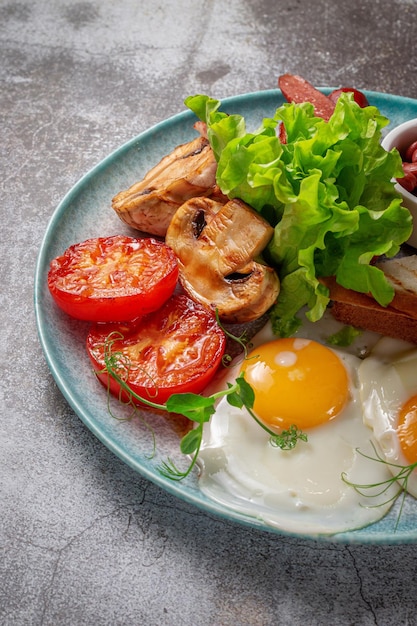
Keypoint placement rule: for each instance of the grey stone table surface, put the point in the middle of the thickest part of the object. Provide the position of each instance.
(83, 538)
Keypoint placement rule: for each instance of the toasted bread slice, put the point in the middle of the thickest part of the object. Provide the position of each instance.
(362, 311)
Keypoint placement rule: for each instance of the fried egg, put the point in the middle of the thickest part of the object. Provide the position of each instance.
(297, 381)
(388, 383)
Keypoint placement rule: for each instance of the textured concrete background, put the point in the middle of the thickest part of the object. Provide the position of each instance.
(83, 539)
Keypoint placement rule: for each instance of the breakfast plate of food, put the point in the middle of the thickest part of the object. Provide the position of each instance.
(227, 303)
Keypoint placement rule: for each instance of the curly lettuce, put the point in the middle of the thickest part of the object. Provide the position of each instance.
(327, 190)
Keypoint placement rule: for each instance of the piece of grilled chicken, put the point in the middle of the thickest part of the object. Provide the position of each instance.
(186, 172)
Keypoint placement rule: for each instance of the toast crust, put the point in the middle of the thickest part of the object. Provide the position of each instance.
(362, 311)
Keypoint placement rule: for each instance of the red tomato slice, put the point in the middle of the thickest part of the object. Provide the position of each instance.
(113, 279)
(177, 349)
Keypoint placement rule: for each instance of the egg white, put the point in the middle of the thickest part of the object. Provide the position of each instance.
(388, 378)
(301, 490)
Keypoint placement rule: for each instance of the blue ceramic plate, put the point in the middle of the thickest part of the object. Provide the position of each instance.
(86, 212)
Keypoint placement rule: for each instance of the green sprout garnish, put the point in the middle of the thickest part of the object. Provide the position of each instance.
(199, 409)
(400, 478)
(195, 407)
(287, 439)
(243, 341)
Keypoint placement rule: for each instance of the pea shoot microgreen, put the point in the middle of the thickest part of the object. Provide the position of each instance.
(400, 476)
(242, 340)
(195, 407)
(287, 439)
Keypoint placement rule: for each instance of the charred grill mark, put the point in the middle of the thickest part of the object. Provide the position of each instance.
(199, 150)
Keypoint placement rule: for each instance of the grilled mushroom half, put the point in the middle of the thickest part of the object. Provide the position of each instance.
(217, 245)
(188, 171)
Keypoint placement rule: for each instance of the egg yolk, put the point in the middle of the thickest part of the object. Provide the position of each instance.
(407, 429)
(296, 381)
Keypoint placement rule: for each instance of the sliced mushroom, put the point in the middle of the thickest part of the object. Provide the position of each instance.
(188, 171)
(216, 244)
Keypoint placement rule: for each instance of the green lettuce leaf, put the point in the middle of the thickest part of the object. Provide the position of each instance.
(327, 191)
